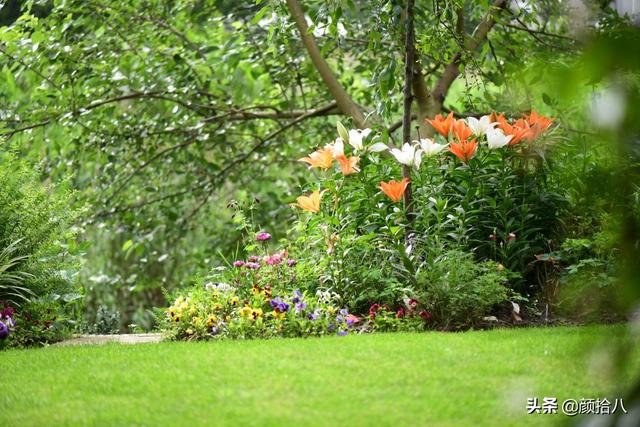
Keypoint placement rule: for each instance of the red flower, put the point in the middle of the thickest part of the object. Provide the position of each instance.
(425, 315)
(373, 310)
(400, 313)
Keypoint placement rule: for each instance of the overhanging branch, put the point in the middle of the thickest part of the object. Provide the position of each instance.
(344, 101)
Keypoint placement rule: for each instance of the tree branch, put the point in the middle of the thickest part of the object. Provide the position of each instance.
(409, 60)
(344, 101)
(453, 69)
(430, 103)
(222, 173)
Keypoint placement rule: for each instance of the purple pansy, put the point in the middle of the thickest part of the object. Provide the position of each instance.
(342, 333)
(4, 331)
(279, 305)
(301, 306)
(297, 296)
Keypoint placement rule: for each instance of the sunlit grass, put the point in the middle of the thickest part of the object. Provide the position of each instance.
(473, 378)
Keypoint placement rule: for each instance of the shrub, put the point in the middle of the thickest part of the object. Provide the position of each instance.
(459, 292)
(37, 256)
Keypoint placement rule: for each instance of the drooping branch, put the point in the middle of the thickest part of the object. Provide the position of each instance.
(430, 102)
(222, 174)
(452, 70)
(409, 60)
(344, 101)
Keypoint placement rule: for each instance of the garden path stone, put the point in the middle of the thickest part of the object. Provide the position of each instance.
(103, 339)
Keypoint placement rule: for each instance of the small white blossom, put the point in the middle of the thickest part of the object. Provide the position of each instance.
(497, 139)
(356, 136)
(430, 148)
(408, 155)
(337, 147)
(482, 126)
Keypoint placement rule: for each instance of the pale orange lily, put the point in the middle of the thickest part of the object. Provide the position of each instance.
(464, 150)
(322, 158)
(461, 130)
(394, 189)
(310, 203)
(348, 165)
(441, 124)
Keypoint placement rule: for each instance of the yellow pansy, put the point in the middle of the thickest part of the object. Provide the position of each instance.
(245, 311)
(211, 320)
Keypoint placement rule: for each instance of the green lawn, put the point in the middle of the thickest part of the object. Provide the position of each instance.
(473, 378)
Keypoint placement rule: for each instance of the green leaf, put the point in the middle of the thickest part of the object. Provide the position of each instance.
(127, 245)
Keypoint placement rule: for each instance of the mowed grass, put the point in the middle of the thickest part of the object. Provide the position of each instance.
(479, 378)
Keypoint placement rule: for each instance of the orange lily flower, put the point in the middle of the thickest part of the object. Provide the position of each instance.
(464, 150)
(519, 130)
(442, 125)
(322, 158)
(348, 165)
(497, 118)
(538, 124)
(462, 130)
(310, 203)
(394, 189)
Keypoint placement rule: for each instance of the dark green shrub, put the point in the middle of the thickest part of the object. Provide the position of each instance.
(38, 255)
(459, 291)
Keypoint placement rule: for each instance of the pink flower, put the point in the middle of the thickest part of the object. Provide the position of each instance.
(291, 262)
(253, 258)
(238, 263)
(273, 259)
(252, 265)
(261, 237)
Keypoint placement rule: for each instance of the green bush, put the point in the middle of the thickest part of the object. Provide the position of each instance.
(459, 291)
(38, 255)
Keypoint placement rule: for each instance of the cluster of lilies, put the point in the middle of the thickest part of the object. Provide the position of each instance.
(460, 137)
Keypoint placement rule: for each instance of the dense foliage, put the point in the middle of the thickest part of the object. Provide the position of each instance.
(164, 131)
(38, 257)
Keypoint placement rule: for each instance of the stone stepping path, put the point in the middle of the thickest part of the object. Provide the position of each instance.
(103, 339)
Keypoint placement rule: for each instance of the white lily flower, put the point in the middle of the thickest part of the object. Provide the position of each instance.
(430, 148)
(337, 147)
(408, 155)
(482, 126)
(356, 136)
(497, 139)
(377, 147)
